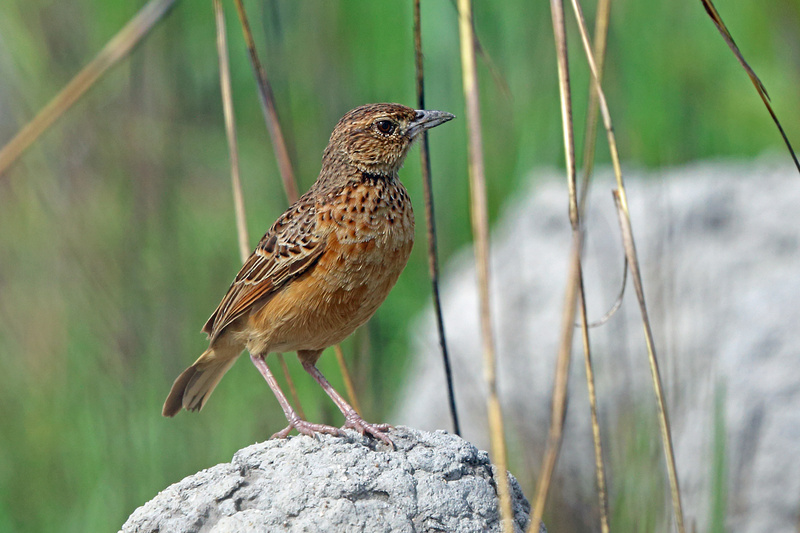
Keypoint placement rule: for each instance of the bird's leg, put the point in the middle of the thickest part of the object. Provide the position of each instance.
(352, 418)
(295, 422)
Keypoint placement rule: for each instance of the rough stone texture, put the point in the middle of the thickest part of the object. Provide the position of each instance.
(431, 482)
(719, 245)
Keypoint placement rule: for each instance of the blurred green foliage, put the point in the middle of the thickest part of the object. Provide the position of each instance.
(117, 234)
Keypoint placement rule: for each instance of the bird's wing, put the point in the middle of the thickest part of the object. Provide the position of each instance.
(287, 250)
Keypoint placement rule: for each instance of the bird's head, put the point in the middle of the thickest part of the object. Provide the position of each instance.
(375, 138)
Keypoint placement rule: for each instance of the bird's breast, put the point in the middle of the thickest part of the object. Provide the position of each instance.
(372, 234)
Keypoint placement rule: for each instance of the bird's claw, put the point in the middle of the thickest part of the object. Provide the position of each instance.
(307, 428)
(376, 430)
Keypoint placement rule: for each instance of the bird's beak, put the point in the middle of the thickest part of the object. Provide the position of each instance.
(425, 120)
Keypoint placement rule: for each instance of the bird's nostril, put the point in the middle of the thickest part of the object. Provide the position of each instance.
(420, 115)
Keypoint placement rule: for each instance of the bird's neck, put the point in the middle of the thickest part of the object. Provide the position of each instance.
(339, 169)
(373, 178)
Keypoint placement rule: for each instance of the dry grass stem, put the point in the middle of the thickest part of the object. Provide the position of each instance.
(290, 384)
(590, 135)
(230, 130)
(762, 91)
(267, 100)
(116, 49)
(480, 228)
(617, 301)
(433, 259)
(663, 418)
(559, 407)
(600, 39)
(238, 197)
(590, 139)
(630, 253)
(599, 465)
(348, 381)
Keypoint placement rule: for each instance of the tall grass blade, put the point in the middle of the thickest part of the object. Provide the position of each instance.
(238, 196)
(348, 381)
(559, 401)
(116, 49)
(600, 39)
(290, 384)
(500, 81)
(230, 130)
(480, 228)
(590, 135)
(590, 138)
(663, 418)
(620, 198)
(617, 302)
(599, 465)
(433, 259)
(762, 91)
(267, 100)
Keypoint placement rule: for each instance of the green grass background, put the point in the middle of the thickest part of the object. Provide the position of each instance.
(117, 234)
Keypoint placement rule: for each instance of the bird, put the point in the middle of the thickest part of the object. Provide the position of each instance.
(323, 268)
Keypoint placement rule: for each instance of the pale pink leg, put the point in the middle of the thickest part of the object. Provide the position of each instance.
(352, 418)
(295, 422)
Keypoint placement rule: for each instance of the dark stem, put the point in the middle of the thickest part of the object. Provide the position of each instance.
(267, 100)
(433, 261)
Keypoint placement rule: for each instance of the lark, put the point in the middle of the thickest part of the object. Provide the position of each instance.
(323, 268)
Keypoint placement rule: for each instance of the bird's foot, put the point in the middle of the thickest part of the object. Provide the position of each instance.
(307, 428)
(376, 430)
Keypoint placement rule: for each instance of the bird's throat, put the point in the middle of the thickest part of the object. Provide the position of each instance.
(372, 178)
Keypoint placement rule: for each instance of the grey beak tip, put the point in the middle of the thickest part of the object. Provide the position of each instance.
(425, 119)
(434, 114)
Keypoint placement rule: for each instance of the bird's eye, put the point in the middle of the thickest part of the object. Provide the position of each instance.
(385, 126)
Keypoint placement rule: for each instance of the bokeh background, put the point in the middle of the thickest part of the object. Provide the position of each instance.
(117, 235)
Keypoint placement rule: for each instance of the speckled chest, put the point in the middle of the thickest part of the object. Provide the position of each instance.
(372, 226)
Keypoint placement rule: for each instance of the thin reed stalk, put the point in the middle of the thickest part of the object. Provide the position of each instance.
(620, 199)
(115, 50)
(290, 384)
(663, 417)
(480, 229)
(590, 137)
(559, 407)
(762, 91)
(599, 465)
(230, 130)
(268, 108)
(238, 196)
(559, 401)
(433, 259)
(267, 100)
(348, 382)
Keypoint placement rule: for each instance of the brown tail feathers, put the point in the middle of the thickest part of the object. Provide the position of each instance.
(195, 384)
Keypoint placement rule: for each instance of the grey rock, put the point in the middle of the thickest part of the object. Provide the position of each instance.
(719, 247)
(431, 482)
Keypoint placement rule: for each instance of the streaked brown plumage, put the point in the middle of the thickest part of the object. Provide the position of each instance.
(324, 266)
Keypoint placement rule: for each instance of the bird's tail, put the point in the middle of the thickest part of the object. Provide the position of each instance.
(195, 384)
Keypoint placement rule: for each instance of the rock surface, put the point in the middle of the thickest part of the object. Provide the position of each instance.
(719, 247)
(431, 482)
